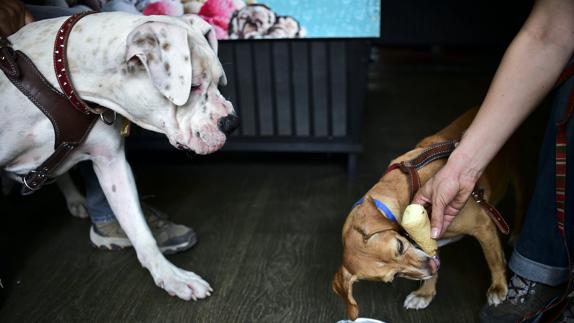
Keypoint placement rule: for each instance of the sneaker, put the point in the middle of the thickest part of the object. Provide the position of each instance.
(524, 296)
(568, 315)
(170, 237)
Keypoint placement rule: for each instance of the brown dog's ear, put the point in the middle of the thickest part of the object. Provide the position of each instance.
(343, 286)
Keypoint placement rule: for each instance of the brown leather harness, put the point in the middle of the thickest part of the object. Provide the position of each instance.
(439, 151)
(71, 117)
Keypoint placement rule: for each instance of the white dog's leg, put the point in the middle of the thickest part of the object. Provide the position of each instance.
(74, 199)
(117, 182)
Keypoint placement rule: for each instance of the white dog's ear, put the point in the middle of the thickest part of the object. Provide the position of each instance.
(205, 28)
(164, 51)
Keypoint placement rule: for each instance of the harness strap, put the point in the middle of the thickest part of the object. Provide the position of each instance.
(495, 216)
(428, 155)
(439, 151)
(71, 125)
(413, 176)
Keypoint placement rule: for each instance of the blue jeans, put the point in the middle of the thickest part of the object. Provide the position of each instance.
(131, 6)
(540, 255)
(53, 10)
(48, 12)
(96, 203)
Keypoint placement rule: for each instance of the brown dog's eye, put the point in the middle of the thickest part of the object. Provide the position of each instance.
(400, 247)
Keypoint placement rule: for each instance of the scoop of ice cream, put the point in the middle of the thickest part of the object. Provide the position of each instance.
(416, 223)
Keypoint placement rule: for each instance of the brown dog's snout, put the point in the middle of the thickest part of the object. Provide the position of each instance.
(343, 286)
(228, 123)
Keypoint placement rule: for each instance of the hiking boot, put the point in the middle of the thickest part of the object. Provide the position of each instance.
(524, 297)
(170, 237)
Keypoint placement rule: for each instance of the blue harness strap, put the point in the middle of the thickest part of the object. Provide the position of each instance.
(359, 202)
(380, 206)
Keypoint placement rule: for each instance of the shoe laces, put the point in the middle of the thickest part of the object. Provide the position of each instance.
(155, 218)
(155, 221)
(519, 288)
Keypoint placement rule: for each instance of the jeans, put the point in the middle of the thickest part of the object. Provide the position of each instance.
(48, 12)
(540, 255)
(96, 203)
(131, 6)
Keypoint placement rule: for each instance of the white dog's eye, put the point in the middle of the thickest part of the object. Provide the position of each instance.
(195, 87)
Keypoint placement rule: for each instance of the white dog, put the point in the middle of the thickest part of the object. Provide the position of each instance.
(161, 73)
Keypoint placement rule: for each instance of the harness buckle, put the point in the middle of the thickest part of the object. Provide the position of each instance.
(478, 195)
(33, 181)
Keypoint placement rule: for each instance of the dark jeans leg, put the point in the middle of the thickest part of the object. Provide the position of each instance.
(540, 254)
(48, 12)
(96, 203)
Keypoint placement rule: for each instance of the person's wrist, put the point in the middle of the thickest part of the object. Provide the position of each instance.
(465, 166)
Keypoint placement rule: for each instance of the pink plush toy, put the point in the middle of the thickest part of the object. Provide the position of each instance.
(164, 7)
(218, 13)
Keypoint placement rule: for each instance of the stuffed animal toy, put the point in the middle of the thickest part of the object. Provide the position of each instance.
(192, 6)
(164, 7)
(218, 13)
(285, 27)
(257, 21)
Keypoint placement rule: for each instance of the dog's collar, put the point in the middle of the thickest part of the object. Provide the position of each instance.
(61, 67)
(385, 210)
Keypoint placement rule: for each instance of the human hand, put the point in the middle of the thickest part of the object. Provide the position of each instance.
(13, 15)
(447, 191)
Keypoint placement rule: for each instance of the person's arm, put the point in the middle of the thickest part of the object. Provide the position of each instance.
(13, 16)
(529, 69)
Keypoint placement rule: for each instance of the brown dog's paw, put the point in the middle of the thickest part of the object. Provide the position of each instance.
(496, 294)
(416, 301)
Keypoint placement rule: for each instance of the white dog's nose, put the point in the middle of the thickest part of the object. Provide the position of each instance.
(228, 123)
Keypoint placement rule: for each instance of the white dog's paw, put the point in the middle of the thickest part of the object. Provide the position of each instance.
(417, 302)
(183, 284)
(77, 208)
(496, 294)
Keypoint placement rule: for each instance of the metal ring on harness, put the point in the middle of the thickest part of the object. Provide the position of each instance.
(106, 121)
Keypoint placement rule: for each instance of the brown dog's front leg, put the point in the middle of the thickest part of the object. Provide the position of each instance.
(487, 236)
(343, 286)
(422, 297)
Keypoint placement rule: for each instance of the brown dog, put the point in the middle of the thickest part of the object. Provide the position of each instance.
(375, 249)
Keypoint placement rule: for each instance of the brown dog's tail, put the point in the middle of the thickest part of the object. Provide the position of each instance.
(343, 286)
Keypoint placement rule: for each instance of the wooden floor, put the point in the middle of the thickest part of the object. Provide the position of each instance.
(269, 229)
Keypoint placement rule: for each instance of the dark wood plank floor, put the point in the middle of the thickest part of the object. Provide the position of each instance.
(269, 229)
